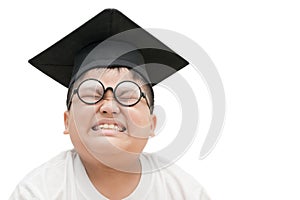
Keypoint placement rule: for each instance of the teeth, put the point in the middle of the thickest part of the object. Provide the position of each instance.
(111, 126)
(108, 126)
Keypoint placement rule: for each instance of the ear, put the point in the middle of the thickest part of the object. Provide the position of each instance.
(66, 122)
(153, 124)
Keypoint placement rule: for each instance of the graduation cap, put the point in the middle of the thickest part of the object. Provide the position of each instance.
(108, 39)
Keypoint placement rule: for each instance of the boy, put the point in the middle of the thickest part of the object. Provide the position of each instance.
(109, 117)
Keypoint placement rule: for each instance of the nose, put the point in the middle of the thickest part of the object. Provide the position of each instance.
(108, 104)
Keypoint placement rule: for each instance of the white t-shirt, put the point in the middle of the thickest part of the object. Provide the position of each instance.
(64, 178)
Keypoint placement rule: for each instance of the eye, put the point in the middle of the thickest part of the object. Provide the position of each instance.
(128, 97)
(128, 94)
(90, 94)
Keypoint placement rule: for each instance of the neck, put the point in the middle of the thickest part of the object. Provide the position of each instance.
(102, 169)
(113, 183)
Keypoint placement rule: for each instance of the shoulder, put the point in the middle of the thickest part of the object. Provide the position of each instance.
(45, 178)
(175, 181)
(168, 169)
(54, 166)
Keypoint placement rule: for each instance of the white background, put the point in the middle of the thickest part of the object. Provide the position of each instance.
(255, 46)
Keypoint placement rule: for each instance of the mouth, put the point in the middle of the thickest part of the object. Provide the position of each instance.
(108, 128)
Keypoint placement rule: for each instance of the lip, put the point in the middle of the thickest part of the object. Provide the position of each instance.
(108, 132)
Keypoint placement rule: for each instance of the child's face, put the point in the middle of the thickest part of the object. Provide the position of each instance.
(109, 145)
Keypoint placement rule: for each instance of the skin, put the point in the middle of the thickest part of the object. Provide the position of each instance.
(111, 159)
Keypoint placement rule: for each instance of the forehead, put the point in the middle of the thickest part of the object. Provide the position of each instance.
(102, 73)
(111, 76)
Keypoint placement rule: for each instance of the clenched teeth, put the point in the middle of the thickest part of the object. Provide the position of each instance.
(109, 127)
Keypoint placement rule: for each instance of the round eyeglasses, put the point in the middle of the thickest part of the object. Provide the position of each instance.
(126, 93)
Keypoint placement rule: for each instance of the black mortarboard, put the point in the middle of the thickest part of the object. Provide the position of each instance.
(110, 38)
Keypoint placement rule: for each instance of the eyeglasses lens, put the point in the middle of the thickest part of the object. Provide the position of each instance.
(127, 93)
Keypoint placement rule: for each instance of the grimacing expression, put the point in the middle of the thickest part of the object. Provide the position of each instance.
(107, 129)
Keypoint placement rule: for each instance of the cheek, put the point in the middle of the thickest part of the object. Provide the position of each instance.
(138, 118)
(139, 124)
(82, 150)
(79, 126)
(81, 119)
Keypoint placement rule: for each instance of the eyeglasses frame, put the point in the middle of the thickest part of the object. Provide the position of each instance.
(75, 91)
